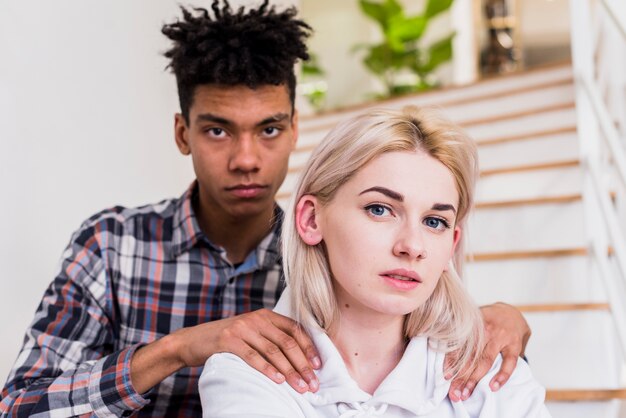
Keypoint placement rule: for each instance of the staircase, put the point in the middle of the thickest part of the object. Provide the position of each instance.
(527, 237)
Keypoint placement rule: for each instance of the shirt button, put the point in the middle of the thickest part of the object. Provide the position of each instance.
(231, 280)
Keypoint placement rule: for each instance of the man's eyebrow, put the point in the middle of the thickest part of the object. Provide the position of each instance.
(278, 117)
(443, 207)
(387, 192)
(209, 117)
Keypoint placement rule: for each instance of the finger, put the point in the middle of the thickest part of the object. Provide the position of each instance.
(480, 370)
(509, 361)
(454, 393)
(284, 352)
(447, 365)
(305, 343)
(273, 354)
(258, 362)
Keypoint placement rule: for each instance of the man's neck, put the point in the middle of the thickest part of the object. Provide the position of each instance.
(370, 346)
(237, 236)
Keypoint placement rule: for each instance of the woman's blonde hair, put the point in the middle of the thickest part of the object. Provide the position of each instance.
(448, 317)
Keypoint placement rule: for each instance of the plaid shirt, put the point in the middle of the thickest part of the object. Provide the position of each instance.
(128, 277)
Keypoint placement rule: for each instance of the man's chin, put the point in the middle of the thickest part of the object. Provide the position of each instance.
(243, 209)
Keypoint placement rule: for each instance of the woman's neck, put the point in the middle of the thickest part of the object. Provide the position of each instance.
(371, 344)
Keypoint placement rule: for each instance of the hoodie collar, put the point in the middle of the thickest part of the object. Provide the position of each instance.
(416, 384)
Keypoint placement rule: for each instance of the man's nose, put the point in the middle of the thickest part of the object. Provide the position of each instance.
(245, 156)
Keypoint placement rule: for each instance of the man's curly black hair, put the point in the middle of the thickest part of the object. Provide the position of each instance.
(254, 48)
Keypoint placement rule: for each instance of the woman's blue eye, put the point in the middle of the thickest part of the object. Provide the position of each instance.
(377, 210)
(436, 223)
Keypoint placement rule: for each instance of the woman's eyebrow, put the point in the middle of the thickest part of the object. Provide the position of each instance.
(387, 192)
(443, 207)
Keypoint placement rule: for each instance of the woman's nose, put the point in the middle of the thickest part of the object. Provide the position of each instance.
(410, 243)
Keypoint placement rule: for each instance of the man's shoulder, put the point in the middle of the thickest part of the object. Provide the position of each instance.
(140, 221)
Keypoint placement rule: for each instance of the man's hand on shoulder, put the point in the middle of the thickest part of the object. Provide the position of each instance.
(506, 333)
(269, 342)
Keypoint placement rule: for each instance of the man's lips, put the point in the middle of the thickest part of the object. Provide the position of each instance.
(247, 190)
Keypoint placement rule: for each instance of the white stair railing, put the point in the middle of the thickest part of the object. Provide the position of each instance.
(599, 61)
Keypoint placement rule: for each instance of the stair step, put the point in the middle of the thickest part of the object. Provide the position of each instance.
(526, 136)
(531, 167)
(526, 227)
(526, 281)
(533, 181)
(561, 307)
(524, 125)
(511, 255)
(562, 199)
(569, 395)
(506, 85)
(486, 142)
(574, 348)
(544, 149)
(518, 115)
(586, 409)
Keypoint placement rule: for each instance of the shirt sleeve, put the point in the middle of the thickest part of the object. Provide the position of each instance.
(230, 388)
(68, 364)
(521, 397)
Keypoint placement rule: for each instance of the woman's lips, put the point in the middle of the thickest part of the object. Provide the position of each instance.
(402, 279)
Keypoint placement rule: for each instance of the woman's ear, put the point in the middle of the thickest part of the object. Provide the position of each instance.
(457, 238)
(455, 241)
(307, 220)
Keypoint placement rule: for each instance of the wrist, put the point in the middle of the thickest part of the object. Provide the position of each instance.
(152, 363)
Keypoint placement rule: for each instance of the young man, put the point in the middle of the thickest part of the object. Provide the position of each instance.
(146, 295)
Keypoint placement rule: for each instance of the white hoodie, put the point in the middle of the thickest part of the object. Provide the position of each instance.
(414, 388)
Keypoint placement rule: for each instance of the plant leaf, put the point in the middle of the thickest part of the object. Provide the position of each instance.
(434, 7)
(381, 12)
(406, 29)
(378, 60)
(438, 53)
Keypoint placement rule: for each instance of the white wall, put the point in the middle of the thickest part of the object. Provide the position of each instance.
(86, 122)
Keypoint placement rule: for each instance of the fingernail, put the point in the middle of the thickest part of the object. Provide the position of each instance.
(302, 384)
(495, 386)
(457, 393)
(317, 363)
(466, 393)
(447, 376)
(313, 385)
(280, 377)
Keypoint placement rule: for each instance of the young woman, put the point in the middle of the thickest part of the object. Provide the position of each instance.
(371, 249)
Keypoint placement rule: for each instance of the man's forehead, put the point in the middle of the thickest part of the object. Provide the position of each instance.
(241, 104)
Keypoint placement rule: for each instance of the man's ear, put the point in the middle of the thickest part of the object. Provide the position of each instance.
(181, 134)
(307, 220)
(294, 128)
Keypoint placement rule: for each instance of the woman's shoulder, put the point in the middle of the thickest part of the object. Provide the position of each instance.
(228, 386)
(521, 396)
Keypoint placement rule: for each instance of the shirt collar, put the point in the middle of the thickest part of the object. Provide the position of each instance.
(416, 384)
(187, 232)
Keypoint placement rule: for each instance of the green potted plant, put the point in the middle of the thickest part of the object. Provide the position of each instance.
(400, 53)
(313, 83)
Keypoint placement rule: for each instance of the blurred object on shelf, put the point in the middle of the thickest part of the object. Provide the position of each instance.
(501, 53)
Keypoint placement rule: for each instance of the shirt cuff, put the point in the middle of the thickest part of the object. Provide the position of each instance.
(110, 388)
